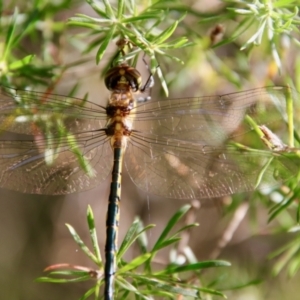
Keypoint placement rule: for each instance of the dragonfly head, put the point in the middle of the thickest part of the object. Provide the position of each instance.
(123, 78)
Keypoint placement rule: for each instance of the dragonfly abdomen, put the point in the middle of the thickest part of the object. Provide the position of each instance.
(112, 223)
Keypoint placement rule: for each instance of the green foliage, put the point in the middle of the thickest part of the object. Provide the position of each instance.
(147, 30)
(138, 276)
(28, 43)
(270, 21)
(288, 255)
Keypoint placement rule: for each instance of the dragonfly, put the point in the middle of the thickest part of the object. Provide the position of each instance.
(184, 148)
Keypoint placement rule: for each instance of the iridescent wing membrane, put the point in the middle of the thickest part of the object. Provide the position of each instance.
(182, 148)
(190, 148)
(51, 144)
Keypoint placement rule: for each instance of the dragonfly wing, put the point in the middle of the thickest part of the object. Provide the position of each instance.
(185, 170)
(55, 166)
(211, 120)
(51, 144)
(191, 148)
(29, 112)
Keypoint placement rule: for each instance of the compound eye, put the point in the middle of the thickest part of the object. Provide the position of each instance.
(134, 78)
(122, 77)
(111, 78)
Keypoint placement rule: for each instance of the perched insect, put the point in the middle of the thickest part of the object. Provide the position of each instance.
(187, 148)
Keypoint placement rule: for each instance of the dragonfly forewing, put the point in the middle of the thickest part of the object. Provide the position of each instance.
(190, 148)
(28, 112)
(51, 144)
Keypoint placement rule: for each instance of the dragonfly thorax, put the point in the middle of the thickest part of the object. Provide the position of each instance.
(118, 129)
(123, 81)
